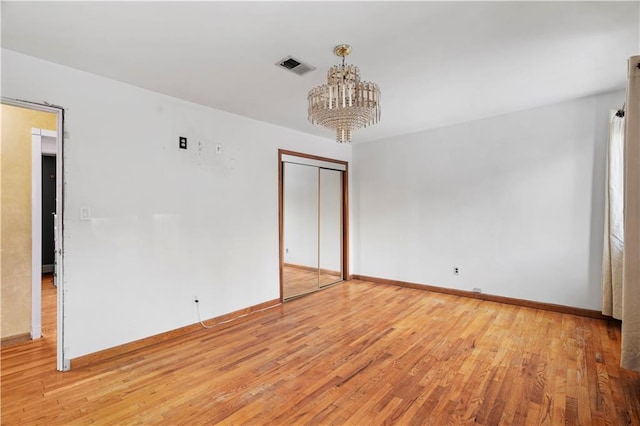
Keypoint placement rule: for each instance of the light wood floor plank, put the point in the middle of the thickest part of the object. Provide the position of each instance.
(355, 353)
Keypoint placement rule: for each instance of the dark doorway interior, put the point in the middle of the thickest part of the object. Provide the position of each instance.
(48, 210)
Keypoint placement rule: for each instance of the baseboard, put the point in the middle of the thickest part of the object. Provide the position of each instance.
(312, 269)
(222, 320)
(47, 269)
(12, 340)
(491, 298)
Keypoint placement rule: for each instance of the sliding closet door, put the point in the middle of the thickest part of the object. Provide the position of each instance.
(313, 205)
(330, 233)
(300, 199)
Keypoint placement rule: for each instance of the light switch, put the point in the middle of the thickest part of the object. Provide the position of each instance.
(85, 213)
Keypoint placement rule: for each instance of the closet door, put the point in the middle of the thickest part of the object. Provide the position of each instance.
(330, 226)
(300, 199)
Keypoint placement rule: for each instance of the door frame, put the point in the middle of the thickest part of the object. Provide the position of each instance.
(62, 364)
(345, 210)
(36, 226)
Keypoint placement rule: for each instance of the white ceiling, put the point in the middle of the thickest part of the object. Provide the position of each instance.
(437, 63)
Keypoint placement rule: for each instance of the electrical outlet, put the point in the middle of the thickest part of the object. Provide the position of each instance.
(218, 149)
(477, 290)
(286, 250)
(456, 270)
(183, 142)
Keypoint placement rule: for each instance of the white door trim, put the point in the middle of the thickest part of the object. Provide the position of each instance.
(36, 233)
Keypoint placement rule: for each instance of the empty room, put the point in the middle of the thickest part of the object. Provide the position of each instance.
(275, 213)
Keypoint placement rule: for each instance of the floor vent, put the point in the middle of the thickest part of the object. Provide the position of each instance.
(295, 66)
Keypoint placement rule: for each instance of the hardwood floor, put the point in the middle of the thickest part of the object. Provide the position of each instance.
(299, 281)
(355, 353)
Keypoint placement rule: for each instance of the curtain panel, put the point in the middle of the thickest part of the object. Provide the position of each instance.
(613, 249)
(630, 357)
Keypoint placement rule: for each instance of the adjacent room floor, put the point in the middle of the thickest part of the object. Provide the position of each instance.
(354, 353)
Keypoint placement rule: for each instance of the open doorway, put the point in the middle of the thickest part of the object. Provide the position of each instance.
(30, 131)
(49, 181)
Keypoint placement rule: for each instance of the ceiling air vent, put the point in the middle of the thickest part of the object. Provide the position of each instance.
(295, 66)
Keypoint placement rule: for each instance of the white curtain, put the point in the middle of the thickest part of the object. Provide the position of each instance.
(630, 357)
(614, 221)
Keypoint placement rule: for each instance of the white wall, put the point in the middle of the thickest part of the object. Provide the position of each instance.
(167, 224)
(516, 202)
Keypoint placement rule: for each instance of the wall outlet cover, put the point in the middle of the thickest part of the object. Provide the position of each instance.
(183, 142)
(85, 213)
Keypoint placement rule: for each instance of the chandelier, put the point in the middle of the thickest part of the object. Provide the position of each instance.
(345, 103)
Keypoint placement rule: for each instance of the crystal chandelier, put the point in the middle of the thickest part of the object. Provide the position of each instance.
(345, 103)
